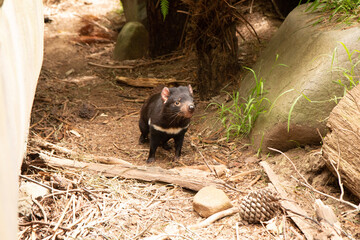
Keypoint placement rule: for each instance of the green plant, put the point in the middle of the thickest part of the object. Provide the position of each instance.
(339, 10)
(239, 116)
(164, 7)
(351, 73)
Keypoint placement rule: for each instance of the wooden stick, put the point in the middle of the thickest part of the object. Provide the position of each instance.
(242, 174)
(214, 217)
(111, 66)
(254, 181)
(64, 212)
(40, 207)
(39, 183)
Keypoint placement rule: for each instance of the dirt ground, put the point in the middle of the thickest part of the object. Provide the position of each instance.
(80, 106)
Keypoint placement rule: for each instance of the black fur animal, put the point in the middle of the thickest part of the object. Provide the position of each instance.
(166, 115)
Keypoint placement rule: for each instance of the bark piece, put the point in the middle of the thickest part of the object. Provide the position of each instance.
(308, 230)
(330, 225)
(341, 149)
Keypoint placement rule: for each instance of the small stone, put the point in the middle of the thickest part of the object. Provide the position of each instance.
(210, 200)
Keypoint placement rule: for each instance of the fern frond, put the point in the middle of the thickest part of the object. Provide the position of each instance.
(164, 7)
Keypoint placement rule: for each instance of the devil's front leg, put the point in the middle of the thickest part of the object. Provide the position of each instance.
(155, 141)
(179, 139)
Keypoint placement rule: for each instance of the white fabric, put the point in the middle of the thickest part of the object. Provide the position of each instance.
(21, 54)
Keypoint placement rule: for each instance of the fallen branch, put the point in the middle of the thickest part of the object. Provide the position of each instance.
(148, 174)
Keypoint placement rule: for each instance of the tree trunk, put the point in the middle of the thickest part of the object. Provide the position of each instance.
(341, 148)
(165, 34)
(213, 30)
(215, 64)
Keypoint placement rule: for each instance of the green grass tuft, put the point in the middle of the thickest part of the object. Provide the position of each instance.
(345, 11)
(239, 116)
(351, 73)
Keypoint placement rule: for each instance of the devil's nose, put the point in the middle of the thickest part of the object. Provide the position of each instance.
(191, 108)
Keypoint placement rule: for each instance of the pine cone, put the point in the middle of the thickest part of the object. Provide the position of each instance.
(260, 205)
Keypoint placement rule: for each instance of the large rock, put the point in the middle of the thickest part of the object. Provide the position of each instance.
(306, 48)
(132, 42)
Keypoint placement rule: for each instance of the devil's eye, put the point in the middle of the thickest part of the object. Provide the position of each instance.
(177, 103)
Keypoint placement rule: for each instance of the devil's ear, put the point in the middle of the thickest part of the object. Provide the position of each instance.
(165, 93)
(190, 89)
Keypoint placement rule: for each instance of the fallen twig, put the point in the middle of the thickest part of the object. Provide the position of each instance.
(40, 207)
(254, 181)
(242, 174)
(203, 158)
(111, 66)
(64, 212)
(214, 217)
(39, 183)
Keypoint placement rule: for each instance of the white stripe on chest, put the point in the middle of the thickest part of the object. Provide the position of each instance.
(167, 130)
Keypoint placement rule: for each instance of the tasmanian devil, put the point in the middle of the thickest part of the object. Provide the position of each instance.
(166, 115)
